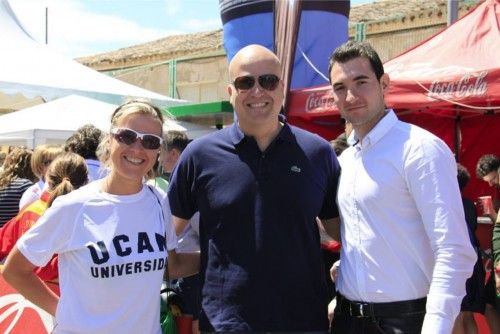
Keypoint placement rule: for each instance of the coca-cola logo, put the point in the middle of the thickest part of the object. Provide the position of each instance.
(319, 102)
(469, 85)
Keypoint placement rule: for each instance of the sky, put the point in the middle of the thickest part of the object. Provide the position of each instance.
(79, 28)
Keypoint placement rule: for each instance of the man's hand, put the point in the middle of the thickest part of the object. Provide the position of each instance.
(334, 270)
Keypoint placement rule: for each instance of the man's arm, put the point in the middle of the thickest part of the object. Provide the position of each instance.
(179, 224)
(430, 172)
(182, 264)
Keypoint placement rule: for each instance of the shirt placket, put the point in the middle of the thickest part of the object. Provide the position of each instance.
(356, 191)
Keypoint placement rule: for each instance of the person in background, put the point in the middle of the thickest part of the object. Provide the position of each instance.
(85, 142)
(66, 173)
(2, 159)
(16, 177)
(474, 300)
(496, 254)
(188, 288)
(258, 186)
(40, 161)
(405, 252)
(487, 169)
(112, 238)
(339, 144)
(174, 143)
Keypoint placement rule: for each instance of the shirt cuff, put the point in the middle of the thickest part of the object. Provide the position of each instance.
(437, 325)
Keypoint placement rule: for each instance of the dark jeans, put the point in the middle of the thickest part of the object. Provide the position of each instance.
(404, 324)
(401, 323)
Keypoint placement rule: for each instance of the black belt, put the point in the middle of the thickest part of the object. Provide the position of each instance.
(390, 309)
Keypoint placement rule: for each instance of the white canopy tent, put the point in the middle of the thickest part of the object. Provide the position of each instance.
(32, 69)
(53, 122)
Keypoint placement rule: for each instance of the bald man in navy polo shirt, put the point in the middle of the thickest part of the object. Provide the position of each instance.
(259, 185)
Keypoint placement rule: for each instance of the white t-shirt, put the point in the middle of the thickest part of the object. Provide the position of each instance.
(189, 239)
(32, 193)
(96, 171)
(112, 252)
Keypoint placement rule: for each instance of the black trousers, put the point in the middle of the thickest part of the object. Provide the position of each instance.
(404, 317)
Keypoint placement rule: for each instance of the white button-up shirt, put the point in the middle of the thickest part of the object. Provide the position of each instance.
(403, 229)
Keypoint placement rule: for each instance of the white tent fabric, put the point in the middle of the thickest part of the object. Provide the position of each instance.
(33, 69)
(53, 122)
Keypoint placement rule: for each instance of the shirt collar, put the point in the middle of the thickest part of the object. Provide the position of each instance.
(379, 130)
(285, 133)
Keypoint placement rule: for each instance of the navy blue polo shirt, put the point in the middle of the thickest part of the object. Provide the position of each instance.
(260, 248)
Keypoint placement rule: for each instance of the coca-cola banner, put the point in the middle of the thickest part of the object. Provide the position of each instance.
(469, 85)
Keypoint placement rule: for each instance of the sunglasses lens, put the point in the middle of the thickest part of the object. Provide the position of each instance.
(268, 81)
(126, 136)
(244, 83)
(151, 142)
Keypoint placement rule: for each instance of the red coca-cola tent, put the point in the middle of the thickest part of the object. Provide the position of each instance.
(448, 84)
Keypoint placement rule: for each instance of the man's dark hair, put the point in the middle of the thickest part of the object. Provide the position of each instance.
(463, 176)
(353, 49)
(84, 141)
(486, 164)
(176, 139)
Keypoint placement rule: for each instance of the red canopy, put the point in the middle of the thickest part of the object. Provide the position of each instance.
(459, 66)
(448, 84)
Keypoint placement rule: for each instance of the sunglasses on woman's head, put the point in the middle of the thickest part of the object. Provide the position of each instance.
(129, 136)
(267, 81)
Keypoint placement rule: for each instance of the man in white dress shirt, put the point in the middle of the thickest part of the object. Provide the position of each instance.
(405, 252)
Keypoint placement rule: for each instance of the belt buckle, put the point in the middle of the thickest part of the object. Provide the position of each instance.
(358, 310)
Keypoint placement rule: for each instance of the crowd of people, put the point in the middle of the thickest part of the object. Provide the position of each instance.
(232, 220)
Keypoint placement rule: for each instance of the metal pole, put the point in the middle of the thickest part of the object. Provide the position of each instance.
(452, 11)
(46, 25)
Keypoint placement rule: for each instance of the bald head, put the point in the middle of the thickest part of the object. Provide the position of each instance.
(252, 54)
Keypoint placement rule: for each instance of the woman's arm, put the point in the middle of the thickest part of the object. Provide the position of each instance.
(182, 264)
(18, 272)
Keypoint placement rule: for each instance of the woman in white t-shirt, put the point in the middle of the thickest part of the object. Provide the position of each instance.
(40, 161)
(112, 237)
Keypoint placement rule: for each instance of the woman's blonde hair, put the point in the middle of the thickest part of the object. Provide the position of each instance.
(66, 173)
(17, 165)
(134, 106)
(43, 156)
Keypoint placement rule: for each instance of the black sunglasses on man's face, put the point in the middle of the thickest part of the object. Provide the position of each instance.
(267, 81)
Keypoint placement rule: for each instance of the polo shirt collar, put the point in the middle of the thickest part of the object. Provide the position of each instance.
(285, 133)
(379, 130)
